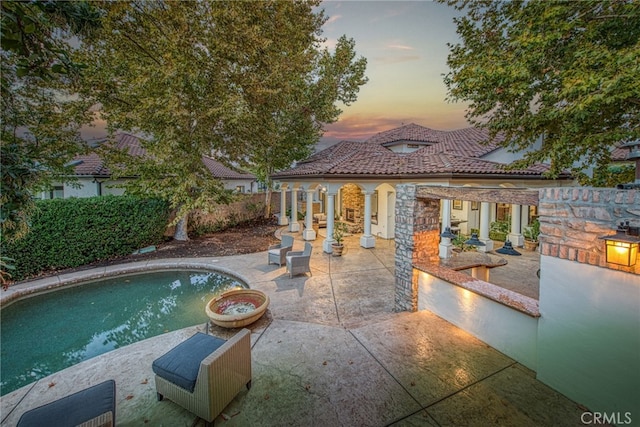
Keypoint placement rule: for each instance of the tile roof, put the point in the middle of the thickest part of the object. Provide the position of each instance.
(93, 165)
(455, 152)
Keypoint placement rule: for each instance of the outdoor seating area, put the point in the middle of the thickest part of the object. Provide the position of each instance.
(347, 306)
(91, 407)
(204, 373)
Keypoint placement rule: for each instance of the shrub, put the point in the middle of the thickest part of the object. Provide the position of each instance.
(67, 233)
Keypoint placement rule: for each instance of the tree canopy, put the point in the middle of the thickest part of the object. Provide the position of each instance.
(41, 115)
(566, 71)
(246, 82)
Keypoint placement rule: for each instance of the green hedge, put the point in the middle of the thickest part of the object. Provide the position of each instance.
(67, 233)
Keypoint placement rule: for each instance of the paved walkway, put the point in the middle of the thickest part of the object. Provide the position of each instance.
(329, 352)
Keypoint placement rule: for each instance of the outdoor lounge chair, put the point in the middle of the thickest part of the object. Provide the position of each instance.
(298, 262)
(204, 373)
(91, 407)
(278, 252)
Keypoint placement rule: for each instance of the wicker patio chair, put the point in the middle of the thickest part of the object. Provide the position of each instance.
(298, 262)
(278, 252)
(204, 373)
(92, 407)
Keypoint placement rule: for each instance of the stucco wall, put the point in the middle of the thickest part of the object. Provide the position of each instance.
(512, 332)
(589, 330)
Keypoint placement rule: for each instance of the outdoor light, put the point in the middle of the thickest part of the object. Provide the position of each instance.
(622, 247)
(474, 241)
(507, 249)
(447, 233)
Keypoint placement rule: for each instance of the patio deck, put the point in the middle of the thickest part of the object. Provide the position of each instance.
(330, 352)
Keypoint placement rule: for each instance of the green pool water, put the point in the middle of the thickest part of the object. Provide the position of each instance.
(49, 332)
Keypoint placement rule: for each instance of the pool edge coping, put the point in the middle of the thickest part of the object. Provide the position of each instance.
(33, 287)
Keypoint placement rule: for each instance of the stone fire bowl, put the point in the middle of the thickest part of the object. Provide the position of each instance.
(237, 308)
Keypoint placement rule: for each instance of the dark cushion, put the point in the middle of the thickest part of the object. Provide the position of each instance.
(74, 409)
(181, 364)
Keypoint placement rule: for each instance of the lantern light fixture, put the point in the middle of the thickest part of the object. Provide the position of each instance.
(447, 233)
(508, 249)
(474, 241)
(622, 248)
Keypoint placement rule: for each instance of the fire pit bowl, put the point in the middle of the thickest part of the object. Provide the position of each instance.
(237, 308)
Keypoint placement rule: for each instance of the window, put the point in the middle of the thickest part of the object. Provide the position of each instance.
(57, 192)
(239, 188)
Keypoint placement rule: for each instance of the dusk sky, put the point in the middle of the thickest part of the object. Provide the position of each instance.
(405, 44)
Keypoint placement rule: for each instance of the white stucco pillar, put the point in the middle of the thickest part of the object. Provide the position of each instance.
(326, 244)
(294, 226)
(445, 242)
(515, 236)
(524, 216)
(367, 240)
(485, 223)
(283, 220)
(309, 233)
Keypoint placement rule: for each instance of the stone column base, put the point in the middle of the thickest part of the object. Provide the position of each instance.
(488, 245)
(309, 234)
(283, 220)
(368, 241)
(294, 227)
(326, 246)
(516, 239)
(444, 251)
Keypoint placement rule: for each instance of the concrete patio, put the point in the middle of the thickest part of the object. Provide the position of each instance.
(329, 352)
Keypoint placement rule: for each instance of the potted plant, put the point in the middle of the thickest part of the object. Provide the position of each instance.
(339, 230)
(531, 234)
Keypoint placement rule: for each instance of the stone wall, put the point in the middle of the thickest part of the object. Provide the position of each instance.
(352, 198)
(572, 219)
(417, 238)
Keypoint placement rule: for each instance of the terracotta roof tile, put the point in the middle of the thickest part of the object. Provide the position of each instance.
(446, 152)
(93, 165)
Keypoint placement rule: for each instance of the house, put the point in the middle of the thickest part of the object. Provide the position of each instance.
(93, 178)
(357, 179)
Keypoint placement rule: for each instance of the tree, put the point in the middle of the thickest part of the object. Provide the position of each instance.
(566, 71)
(235, 80)
(40, 114)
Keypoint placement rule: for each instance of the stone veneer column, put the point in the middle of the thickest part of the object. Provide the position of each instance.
(283, 220)
(294, 226)
(417, 237)
(309, 233)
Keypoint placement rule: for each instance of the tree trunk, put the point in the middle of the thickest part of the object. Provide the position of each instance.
(267, 203)
(181, 229)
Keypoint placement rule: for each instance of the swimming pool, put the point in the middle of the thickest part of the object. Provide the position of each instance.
(49, 332)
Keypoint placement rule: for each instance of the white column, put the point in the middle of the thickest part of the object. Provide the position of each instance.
(309, 233)
(515, 236)
(445, 242)
(294, 226)
(283, 220)
(485, 222)
(367, 240)
(524, 216)
(326, 244)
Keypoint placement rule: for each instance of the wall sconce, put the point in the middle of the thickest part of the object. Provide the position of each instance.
(622, 247)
